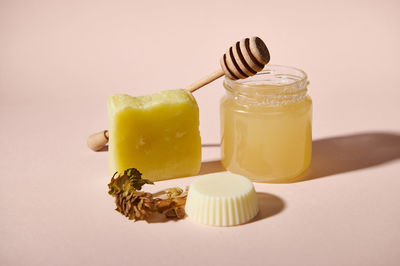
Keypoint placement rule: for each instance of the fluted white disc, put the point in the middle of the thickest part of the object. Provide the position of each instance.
(221, 199)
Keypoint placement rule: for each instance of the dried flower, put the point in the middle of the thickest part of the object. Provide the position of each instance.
(174, 205)
(135, 205)
(130, 181)
(138, 205)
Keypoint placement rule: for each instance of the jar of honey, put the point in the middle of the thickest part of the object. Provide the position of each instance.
(266, 125)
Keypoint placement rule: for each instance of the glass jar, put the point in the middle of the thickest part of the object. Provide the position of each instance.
(266, 125)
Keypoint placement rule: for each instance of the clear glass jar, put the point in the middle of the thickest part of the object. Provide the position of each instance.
(266, 125)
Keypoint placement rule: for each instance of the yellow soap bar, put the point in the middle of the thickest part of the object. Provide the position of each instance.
(221, 199)
(157, 134)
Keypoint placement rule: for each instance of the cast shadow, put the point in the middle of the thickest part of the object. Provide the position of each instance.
(269, 205)
(160, 218)
(211, 167)
(206, 145)
(210, 145)
(351, 152)
(105, 148)
(340, 154)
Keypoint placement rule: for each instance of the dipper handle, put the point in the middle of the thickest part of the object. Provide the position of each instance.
(243, 59)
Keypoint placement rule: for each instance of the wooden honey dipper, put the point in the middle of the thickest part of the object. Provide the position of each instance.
(242, 60)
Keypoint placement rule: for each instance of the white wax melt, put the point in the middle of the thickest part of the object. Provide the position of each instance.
(221, 199)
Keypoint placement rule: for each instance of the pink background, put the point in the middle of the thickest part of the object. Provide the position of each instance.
(60, 60)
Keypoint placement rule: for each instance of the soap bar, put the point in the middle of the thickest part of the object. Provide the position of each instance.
(221, 199)
(157, 134)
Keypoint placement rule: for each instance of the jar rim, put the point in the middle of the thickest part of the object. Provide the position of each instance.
(285, 77)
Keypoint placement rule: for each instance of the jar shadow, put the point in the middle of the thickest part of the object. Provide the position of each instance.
(341, 154)
(350, 153)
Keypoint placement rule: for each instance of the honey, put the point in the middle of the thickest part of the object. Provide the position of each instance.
(266, 125)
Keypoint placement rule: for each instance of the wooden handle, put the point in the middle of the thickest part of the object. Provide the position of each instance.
(98, 140)
(204, 81)
(242, 60)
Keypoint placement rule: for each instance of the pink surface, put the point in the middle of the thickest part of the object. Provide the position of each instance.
(60, 60)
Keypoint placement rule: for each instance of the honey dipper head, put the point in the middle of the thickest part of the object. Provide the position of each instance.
(245, 58)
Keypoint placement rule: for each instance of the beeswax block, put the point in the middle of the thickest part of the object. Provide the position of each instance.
(157, 134)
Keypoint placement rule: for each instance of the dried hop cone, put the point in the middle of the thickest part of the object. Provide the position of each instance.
(135, 205)
(138, 205)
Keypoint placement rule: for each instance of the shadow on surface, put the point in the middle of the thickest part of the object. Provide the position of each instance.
(340, 154)
(211, 167)
(206, 145)
(352, 152)
(209, 145)
(160, 218)
(269, 205)
(105, 148)
(336, 155)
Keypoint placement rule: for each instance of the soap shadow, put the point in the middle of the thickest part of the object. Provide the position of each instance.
(348, 153)
(210, 145)
(336, 155)
(206, 145)
(269, 205)
(211, 167)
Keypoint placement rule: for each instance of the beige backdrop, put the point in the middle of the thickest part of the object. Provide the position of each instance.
(60, 60)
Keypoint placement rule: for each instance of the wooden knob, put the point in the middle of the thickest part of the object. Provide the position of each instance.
(245, 58)
(98, 140)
